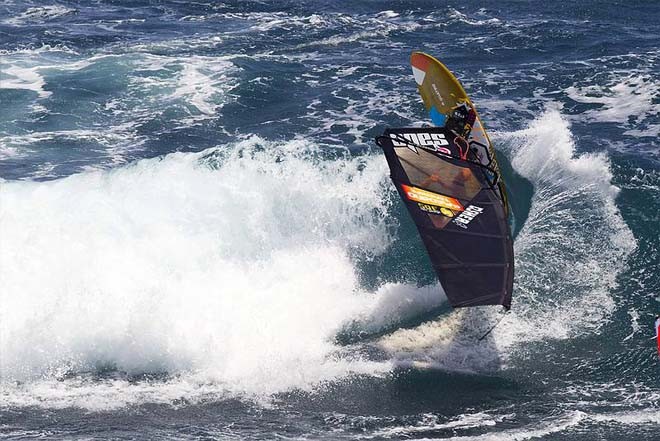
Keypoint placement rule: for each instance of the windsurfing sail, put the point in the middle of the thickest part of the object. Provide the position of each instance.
(449, 180)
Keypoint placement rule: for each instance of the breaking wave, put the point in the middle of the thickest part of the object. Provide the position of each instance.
(230, 268)
(574, 242)
(231, 271)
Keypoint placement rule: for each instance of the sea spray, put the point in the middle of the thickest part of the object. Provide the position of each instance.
(232, 266)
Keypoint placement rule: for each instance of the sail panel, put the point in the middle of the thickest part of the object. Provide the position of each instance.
(459, 212)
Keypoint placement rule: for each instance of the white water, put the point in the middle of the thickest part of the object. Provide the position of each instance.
(229, 269)
(24, 78)
(152, 88)
(629, 99)
(39, 14)
(232, 271)
(574, 243)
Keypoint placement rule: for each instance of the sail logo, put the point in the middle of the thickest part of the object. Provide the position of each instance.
(429, 198)
(431, 141)
(435, 210)
(466, 217)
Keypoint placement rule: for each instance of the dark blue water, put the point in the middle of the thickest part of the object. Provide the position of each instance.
(199, 239)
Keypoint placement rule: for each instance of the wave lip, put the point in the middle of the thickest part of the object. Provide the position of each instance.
(574, 242)
(24, 78)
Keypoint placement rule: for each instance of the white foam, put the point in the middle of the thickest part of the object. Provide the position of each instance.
(634, 324)
(633, 417)
(459, 16)
(183, 91)
(628, 100)
(8, 151)
(40, 14)
(43, 49)
(543, 429)
(367, 101)
(197, 85)
(650, 131)
(448, 343)
(574, 242)
(387, 14)
(202, 80)
(26, 78)
(566, 422)
(381, 25)
(431, 423)
(186, 44)
(397, 302)
(119, 141)
(230, 270)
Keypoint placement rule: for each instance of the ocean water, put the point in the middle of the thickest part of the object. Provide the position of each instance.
(199, 239)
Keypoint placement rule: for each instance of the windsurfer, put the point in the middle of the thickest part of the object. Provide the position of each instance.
(461, 119)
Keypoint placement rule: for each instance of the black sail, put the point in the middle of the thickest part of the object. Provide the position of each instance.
(460, 213)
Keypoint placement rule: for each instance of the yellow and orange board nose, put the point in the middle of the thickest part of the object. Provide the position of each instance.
(439, 89)
(441, 92)
(420, 64)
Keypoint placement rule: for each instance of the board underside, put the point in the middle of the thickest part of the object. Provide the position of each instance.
(441, 93)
